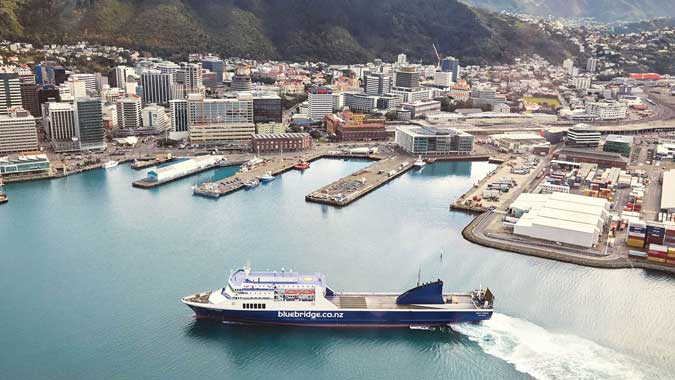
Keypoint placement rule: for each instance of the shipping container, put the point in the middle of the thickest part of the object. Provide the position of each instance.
(635, 243)
(656, 259)
(637, 254)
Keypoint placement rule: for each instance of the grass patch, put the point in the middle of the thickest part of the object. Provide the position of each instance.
(553, 102)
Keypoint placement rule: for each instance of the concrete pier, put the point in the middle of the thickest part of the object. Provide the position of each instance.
(348, 189)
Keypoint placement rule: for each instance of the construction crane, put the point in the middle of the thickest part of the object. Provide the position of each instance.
(438, 56)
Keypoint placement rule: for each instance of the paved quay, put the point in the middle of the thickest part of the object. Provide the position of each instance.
(348, 189)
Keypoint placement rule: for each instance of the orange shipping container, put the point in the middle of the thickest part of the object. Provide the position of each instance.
(636, 243)
(656, 259)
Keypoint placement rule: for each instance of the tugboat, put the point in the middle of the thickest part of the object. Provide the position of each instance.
(301, 165)
(419, 163)
(304, 299)
(267, 177)
(251, 184)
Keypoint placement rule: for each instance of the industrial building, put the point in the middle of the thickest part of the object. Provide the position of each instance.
(433, 140)
(517, 142)
(602, 159)
(181, 168)
(618, 144)
(558, 217)
(668, 192)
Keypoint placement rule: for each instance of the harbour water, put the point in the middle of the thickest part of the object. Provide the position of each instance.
(93, 269)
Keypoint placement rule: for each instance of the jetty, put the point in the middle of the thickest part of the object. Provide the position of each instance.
(179, 170)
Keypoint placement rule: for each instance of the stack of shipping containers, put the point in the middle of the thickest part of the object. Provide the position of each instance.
(637, 231)
(656, 233)
(669, 242)
(657, 253)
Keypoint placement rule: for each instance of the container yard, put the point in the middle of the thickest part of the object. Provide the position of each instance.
(178, 170)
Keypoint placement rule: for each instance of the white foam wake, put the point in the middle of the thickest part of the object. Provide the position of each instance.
(545, 355)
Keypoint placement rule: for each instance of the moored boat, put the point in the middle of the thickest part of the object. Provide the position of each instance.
(110, 164)
(291, 298)
(419, 163)
(252, 183)
(301, 165)
(267, 177)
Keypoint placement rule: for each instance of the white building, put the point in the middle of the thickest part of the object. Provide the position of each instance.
(582, 83)
(583, 135)
(217, 120)
(433, 141)
(668, 192)
(155, 117)
(320, 101)
(88, 79)
(607, 110)
(60, 122)
(129, 112)
(17, 131)
(122, 74)
(443, 79)
(558, 217)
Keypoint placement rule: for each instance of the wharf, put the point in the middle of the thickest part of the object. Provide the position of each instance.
(145, 184)
(142, 164)
(348, 189)
(275, 166)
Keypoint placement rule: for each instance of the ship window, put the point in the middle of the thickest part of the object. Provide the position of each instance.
(264, 305)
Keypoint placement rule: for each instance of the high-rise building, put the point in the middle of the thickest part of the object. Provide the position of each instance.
(451, 64)
(582, 135)
(376, 84)
(241, 81)
(215, 65)
(407, 77)
(10, 92)
(158, 87)
(48, 73)
(193, 78)
(89, 81)
(122, 74)
(90, 131)
(568, 66)
(29, 97)
(17, 131)
(129, 112)
(155, 117)
(60, 122)
(402, 59)
(179, 115)
(217, 120)
(591, 64)
(78, 88)
(320, 102)
(267, 108)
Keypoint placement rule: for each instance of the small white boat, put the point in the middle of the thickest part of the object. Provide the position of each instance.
(419, 163)
(110, 164)
(251, 184)
(267, 177)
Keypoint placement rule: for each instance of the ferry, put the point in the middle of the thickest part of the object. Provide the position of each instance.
(419, 163)
(267, 177)
(295, 299)
(301, 165)
(110, 164)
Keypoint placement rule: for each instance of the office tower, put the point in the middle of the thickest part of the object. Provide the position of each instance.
(407, 77)
(451, 64)
(17, 131)
(129, 112)
(60, 122)
(90, 129)
(122, 74)
(167, 67)
(320, 102)
(568, 66)
(212, 120)
(78, 88)
(89, 81)
(10, 92)
(29, 96)
(193, 78)
(402, 59)
(158, 87)
(241, 81)
(216, 66)
(179, 115)
(591, 64)
(376, 84)
(154, 116)
(267, 108)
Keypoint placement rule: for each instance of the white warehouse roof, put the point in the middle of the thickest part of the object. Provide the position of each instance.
(668, 191)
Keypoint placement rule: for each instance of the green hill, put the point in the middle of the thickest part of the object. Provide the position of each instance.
(602, 10)
(336, 31)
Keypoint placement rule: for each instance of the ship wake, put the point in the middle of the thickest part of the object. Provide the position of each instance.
(546, 355)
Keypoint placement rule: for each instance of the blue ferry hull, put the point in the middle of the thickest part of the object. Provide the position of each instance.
(345, 318)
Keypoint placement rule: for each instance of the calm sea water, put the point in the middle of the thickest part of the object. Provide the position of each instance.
(92, 271)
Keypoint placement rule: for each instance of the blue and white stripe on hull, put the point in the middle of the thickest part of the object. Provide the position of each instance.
(345, 318)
